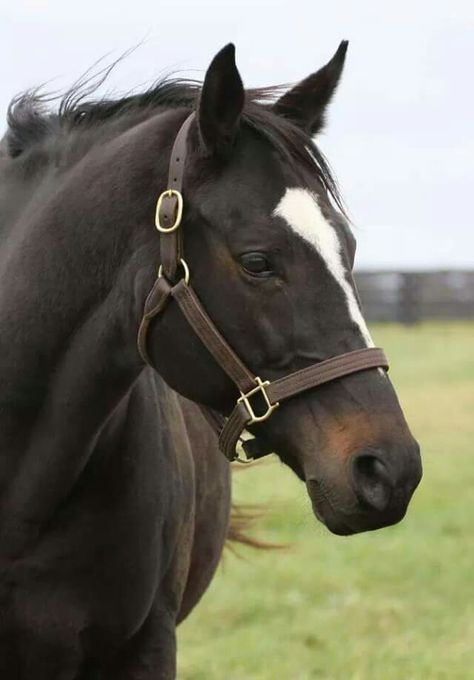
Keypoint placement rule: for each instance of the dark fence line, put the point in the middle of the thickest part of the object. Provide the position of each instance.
(409, 297)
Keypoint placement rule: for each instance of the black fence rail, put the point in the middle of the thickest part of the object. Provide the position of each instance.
(409, 297)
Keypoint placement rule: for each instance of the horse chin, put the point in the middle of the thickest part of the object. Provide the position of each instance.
(331, 521)
(329, 517)
(350, 521)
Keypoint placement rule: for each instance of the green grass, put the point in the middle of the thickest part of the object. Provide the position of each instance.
(397, 604)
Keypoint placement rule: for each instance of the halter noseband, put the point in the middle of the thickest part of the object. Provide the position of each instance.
(169, 211)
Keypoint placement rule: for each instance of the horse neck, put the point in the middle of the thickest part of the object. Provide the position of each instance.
(63, 369)
(74, 272)
(73, 276)
(58, 392)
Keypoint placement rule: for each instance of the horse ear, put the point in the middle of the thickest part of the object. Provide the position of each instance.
(305, 104)
(221, 102)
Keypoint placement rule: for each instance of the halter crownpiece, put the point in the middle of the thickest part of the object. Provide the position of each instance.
(169, 212)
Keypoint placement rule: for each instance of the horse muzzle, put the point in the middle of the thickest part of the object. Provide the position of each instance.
(375, 494)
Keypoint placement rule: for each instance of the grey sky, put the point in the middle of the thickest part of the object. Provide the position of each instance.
(400, 134)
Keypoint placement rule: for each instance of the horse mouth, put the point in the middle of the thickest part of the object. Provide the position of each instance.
(347, 523)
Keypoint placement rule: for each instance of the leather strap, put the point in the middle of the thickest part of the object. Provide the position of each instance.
(326, 371)
(171, 243)
(204, 328)
(154, 304)
(300, 381)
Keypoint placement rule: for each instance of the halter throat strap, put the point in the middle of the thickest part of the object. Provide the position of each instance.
(252, 388)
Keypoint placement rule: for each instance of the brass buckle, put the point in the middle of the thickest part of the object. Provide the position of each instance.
(169, 193)
(244, 398)
(185, 270)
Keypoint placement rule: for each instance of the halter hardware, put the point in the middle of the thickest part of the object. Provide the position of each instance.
(185, 270)
(244, 398)
(169, 193)
(229, 430)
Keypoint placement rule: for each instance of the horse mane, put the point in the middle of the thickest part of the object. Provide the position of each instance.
(31, 119)
(28, 121)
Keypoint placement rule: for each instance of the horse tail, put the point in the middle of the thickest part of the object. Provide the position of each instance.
(243, 519)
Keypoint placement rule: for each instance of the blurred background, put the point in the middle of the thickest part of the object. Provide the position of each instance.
(397, 603)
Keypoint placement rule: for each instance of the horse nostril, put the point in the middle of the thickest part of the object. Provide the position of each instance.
(372, 482)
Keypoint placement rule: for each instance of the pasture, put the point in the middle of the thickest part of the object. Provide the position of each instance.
(390, 605)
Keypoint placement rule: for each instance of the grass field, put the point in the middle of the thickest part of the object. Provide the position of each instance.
(397, 604)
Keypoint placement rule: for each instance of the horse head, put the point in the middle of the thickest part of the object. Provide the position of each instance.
(271, 253)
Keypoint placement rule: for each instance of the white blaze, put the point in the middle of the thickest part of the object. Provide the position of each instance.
(300, 209)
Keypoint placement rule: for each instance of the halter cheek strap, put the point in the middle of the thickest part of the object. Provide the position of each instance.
(169, 208)
(251, 387)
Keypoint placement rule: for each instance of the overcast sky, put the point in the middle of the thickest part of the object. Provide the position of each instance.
(400, 134)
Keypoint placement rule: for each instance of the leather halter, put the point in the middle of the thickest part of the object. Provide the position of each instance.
(169, 212)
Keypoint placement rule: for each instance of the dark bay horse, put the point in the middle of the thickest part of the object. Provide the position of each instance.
(114, 499)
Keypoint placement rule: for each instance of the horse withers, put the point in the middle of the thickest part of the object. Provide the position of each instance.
(114, 498)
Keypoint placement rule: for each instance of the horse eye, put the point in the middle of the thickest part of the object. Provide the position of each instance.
(255, 263)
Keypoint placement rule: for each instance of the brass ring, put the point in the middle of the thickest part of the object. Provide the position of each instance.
(242, 461)
(185, 270)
